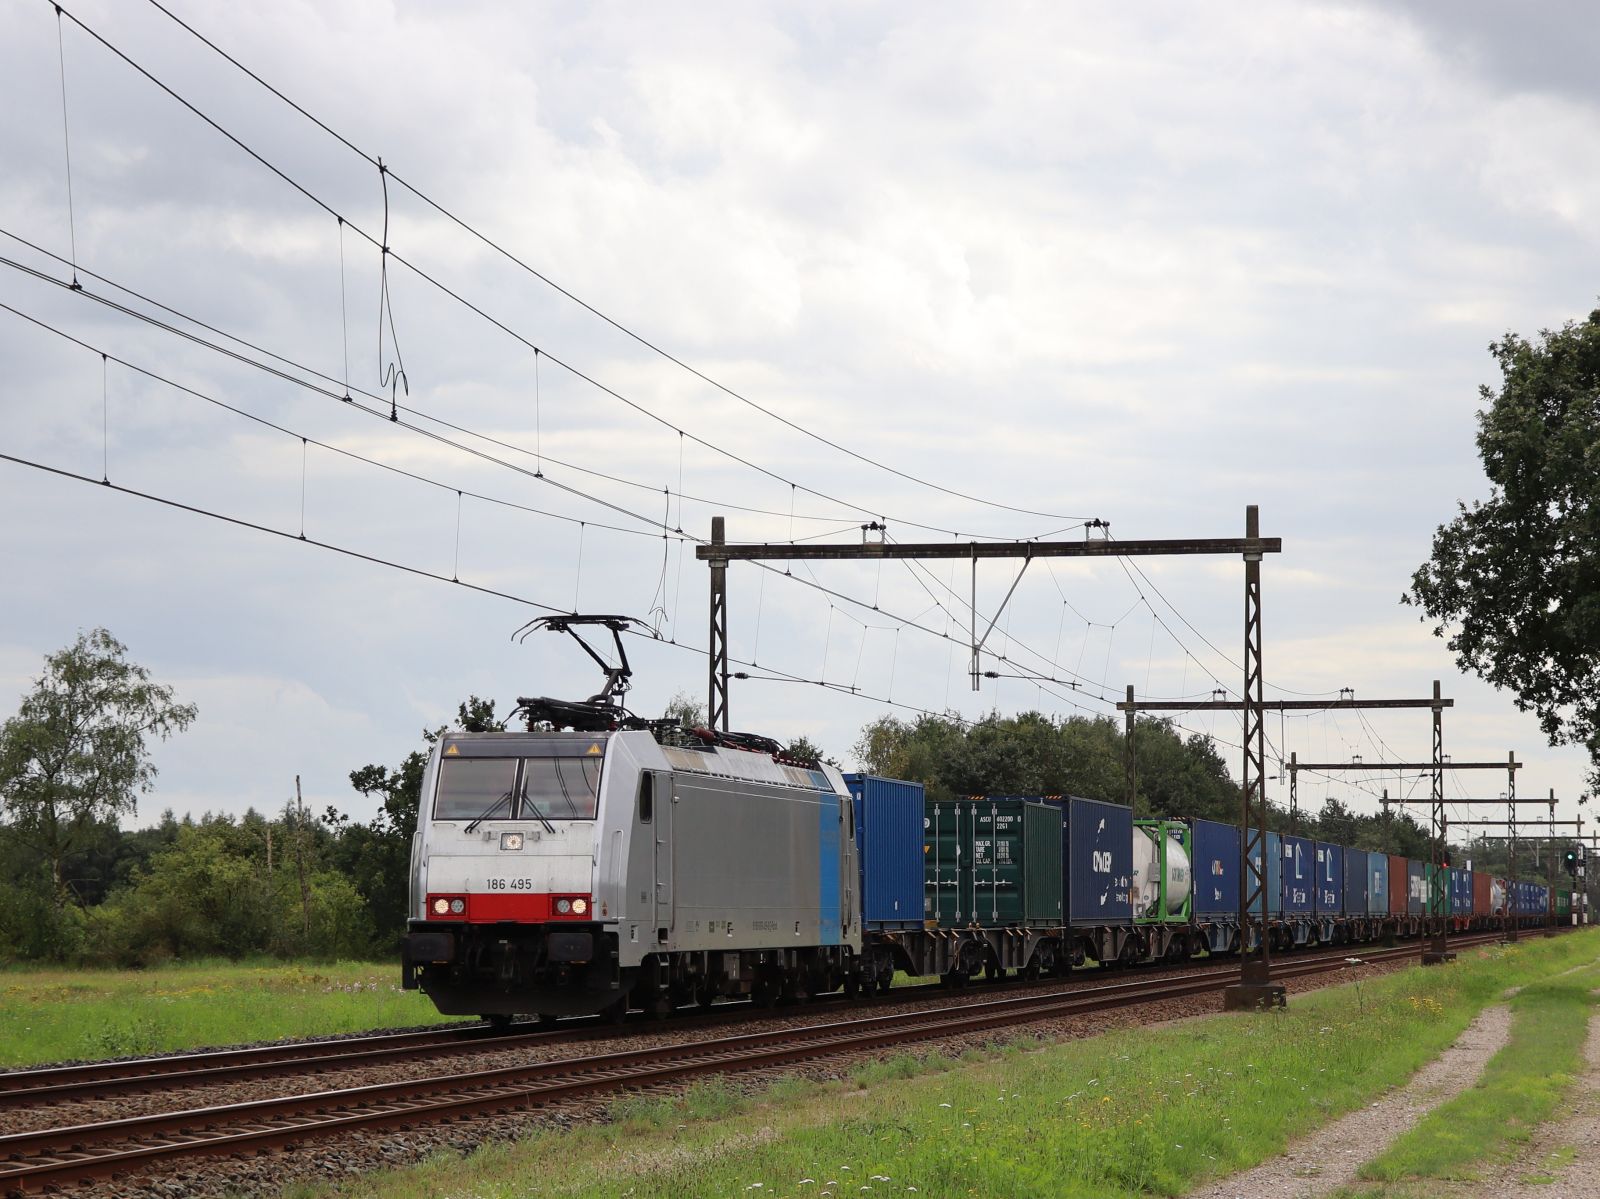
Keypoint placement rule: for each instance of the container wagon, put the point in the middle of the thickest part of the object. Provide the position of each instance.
(1214, 852)
(1097, 880)
(1327, 892)
(1299, 888)
(1161, 892)
(1357, 890)
(992, 889)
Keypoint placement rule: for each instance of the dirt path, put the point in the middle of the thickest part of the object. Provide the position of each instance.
(1330, 1156)
(1562, 1161)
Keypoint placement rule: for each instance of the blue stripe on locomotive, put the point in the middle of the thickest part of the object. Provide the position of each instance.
(828, 850)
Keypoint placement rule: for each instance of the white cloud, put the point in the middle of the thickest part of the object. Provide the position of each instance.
(1150, 265)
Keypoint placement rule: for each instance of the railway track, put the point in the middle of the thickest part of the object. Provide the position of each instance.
(40, 1160)
(99, 1079)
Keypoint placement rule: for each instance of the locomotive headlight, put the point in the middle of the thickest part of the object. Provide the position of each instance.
(563, 906)
(441, 906)
(580, 906)
(457, 906)
(510, 840)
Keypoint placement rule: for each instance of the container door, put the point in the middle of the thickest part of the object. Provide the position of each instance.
(665, 798)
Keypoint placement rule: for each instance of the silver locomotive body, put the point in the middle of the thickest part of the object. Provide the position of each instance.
(565, 873)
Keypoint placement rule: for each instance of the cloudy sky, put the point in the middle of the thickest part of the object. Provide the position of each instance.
(1148, 264)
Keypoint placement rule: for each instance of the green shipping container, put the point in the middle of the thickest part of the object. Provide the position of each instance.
(1438, 889)
(1563, 903)
(994, 863)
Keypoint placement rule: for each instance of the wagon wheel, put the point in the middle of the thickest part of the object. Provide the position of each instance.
(498, 1022)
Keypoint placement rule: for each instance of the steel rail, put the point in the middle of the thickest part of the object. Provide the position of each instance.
(100, 1079)
(50, 1157)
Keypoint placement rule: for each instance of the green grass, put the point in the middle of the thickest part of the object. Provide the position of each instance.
(1493, 1119)
(64, 1015)
(1131, 1113)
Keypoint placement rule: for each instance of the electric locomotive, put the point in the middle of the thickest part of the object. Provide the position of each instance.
(598, 862)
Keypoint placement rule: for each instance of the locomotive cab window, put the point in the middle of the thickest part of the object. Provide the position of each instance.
(560, 788)
(476, 789)
(647, 797)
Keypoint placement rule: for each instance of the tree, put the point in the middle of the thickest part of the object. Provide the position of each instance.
(75, 752)
(1035, 754)
(685, 710)
(1514, 580)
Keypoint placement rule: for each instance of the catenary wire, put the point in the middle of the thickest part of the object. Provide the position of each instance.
(305, 439)
(538, 455)
(390, 253)
(614, 323)
(420, 572)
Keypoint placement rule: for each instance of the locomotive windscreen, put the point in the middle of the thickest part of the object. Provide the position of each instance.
(551, 787)
(470, 787)
(561, 788)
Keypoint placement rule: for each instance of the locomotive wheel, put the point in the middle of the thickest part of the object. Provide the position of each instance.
(886, 984)
(615, 1012)
(765, 992)
(852, 985)
(705, 997)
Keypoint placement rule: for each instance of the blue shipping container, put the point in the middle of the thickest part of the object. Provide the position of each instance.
(1378, 891)
(1460, 892)
(1214, 861)
(1416, 888)
(1328, 886)
(1299, 875)
(1273, 876)
(888, 818)
(1357, 882)
(1096, 860)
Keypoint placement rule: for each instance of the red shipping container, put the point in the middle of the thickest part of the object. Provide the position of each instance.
(1399, 885)
(1480, 893)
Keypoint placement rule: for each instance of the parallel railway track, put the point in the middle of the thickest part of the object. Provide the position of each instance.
(36, 1161)
(58, 1084)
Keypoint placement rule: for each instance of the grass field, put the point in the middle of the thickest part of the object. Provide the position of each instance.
(63, 1015)
(1521, 1087)
(1132, 1113)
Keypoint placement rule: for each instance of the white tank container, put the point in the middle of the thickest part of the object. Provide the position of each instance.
(1145, 886)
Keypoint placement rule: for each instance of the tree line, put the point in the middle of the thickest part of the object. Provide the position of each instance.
(76, 886)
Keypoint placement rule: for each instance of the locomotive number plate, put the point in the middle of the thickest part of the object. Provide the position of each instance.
(510, 884)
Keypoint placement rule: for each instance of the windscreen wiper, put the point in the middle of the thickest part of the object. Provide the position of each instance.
(537, 814)
(487, 812)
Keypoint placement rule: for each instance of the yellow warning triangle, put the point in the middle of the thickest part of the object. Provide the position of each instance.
(450, 749)
(594, 749)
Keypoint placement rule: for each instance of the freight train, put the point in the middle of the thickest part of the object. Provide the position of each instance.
(648, 866)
